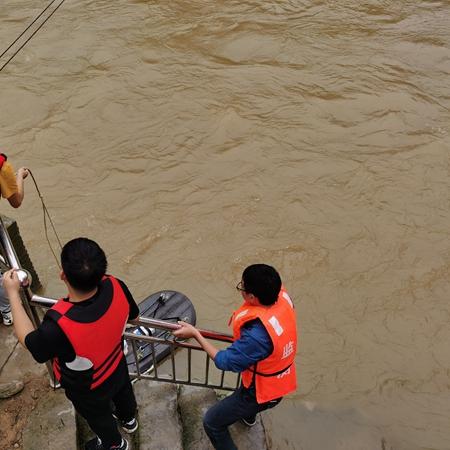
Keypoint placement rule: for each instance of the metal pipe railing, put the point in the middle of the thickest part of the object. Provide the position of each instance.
(152, 372)
(37, 300)
(13, 262)
(47, 302)
(26, 294)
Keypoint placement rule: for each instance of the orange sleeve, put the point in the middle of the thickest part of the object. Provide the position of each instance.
(8, 184)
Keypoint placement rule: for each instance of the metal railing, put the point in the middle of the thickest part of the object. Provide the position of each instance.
(202, 373)
(181, 353)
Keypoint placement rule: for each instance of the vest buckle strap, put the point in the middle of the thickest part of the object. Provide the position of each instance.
(274, 374)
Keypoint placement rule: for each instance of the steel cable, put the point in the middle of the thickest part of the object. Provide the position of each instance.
(29, 38)
(47, 214)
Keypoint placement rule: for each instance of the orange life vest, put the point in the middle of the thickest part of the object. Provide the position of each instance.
(96, 343)
(274, 376)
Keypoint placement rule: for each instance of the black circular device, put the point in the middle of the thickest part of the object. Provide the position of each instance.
(170, 306)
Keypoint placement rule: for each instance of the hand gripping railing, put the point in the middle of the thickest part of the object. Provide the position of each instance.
(12, 261)
(203, 373)
(198, 373)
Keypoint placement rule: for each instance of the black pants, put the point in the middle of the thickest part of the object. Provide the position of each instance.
(241, 404)
(97, 409)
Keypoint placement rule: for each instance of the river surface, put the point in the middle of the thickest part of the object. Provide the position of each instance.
(191, 139)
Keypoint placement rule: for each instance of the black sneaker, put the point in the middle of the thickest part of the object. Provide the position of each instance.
(131, 426)
(249, 421)
(96, 444)
(123, 445)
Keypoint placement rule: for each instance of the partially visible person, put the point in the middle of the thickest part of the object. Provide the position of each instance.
(82, 334)
(11, 188)
(263, 351)
(12, 185)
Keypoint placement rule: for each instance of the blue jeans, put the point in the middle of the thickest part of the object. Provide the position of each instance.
(4, 301)
(241, 404)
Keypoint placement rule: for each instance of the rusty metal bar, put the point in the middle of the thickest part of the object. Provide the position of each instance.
(136, 358)
(155, 363)
(172, 357)
(47, 302)
(207, 369)
(189, 364)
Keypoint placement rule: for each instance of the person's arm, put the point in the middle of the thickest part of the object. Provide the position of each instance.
(49, 341)
(134, 309)
(187, 331)
(22, 323)
(253, 345)
(16, 199)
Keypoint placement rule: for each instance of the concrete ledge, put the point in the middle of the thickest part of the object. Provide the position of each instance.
(18, 363)
(51, 425)
(193, 402)
(159, 424)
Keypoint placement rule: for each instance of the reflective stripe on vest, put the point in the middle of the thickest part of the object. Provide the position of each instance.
(274, 376)
(98, 342)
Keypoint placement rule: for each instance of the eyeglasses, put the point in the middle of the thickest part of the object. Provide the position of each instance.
(240, 287)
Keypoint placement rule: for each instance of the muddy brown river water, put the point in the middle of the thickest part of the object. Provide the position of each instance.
(191, 139)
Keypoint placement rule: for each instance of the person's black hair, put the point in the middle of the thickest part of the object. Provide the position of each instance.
(83, 263)
(263, 282)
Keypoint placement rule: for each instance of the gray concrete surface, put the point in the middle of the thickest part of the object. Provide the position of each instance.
(159, 424)
(51, 425)
(18, 363)
(193, 402)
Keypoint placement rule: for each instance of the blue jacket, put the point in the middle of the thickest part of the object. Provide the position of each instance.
(253, 346)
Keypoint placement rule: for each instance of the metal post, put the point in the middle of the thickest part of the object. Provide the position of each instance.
(26, 293)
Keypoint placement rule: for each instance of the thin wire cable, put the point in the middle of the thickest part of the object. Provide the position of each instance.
(46, 214)
(28, 27)
(29, 39)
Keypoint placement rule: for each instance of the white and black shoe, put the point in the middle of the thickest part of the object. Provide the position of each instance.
(249, 421)
(129, 427)
(7, 318)
(123, 445)
(96, 444)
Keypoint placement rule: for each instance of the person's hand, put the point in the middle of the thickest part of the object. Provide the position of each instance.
(11, 282)
(185, 331)
(23, 172)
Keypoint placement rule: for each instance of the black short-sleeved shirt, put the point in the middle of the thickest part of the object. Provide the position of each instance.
(49, 341)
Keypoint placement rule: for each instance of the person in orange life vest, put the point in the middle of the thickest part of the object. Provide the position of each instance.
(11, 188)
(264, 348)
(82, 334)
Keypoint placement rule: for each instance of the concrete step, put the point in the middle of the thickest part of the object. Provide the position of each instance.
(193, 402)
(85, 434)
(170, 418)
(51, 425)
(159, 425)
